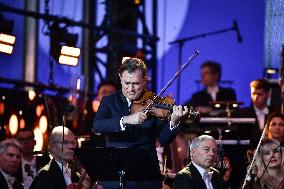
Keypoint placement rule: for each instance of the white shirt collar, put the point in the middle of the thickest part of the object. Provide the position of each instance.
(213, 89)
(128, 102)
(66, 172)
(6, 176)
(261, 112)
(200, 169)
(32, 162)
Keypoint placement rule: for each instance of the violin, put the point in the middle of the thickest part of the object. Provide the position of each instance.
(157, 106)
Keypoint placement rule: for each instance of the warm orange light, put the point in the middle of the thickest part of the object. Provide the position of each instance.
(22, 123)
(13, 124)
(38, 110)
(68, 60)
(8, 49)
(43, 123)
(2, 108)
(39, 139)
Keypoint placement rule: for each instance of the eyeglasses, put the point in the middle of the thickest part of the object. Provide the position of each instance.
(66, 142)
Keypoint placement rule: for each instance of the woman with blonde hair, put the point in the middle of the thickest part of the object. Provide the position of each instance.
(270, 165)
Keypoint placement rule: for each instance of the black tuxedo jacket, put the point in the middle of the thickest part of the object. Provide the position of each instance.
(112, 108)
(203, 98)
(4, 184)
(189, 177)
(49, 177)
(254, 131)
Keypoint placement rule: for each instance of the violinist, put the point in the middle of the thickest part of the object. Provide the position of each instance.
(57, 174)
(127, 124)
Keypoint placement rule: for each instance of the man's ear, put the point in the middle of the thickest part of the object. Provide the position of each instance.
(192, 152)
(145, 80)
(34, 142)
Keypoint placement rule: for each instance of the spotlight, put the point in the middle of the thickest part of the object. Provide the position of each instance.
(62, 45)
(6, 39)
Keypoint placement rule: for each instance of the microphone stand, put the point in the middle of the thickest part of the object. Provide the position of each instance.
(180, 43)
(63, 139)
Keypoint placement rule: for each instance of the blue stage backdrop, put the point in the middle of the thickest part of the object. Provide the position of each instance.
(241, 62)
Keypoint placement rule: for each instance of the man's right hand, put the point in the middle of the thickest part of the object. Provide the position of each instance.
(134, 119)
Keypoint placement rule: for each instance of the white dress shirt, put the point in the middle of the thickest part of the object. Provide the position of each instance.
(28, 176)
(213, 92)
(203, 172)
(9, 179)
(261, 116)
(66, 173)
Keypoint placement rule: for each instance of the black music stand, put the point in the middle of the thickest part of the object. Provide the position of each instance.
(118, 164)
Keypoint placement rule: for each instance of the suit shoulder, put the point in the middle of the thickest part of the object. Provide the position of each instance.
(214, 170)
(185, 171)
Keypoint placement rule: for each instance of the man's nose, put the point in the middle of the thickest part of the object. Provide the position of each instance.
(211, 153)
(131, 87)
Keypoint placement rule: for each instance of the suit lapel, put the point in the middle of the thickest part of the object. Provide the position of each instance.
(214, 181)
(197, 177)
(56, 171)
(3, 183)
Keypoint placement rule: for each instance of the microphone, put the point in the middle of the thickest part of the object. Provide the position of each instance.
(236, 27)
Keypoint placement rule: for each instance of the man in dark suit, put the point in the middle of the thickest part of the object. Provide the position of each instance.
(126, 127)
(199, 174)
(57, 174)
(30, 163)
(210, 77)
(10, 157)
(260, 93)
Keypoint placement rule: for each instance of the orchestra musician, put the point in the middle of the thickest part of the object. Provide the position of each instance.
(199, 174)
(30, 163)
(210, 78)
(127, 127)
(267, 171)
(52, 176)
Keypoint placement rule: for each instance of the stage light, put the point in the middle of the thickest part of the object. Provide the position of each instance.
(31, 94)
(43, 124)
(9, 39)
(67, 60)
(70, 51)
(39, 139)
(272, 70)
(13, 124)
(62, 45)
(22, 123)
(217, 105)
(6, 39)
(8, 49)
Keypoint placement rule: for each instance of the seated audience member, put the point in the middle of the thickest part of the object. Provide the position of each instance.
(275, 126)
(259, 109)
(30, 163)
(199, 174)
(210, 78)
(52, 176)
(269, 167)
(10, 157)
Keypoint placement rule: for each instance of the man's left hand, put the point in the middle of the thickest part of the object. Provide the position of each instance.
(179, 112)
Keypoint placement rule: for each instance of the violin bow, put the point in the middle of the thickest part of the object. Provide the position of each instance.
(189, 60)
